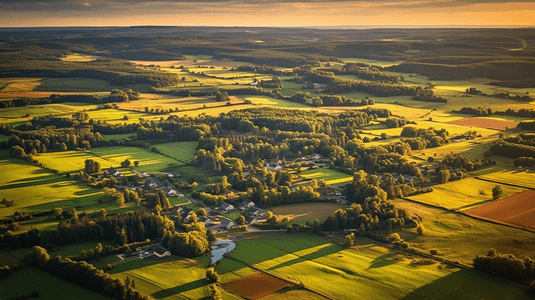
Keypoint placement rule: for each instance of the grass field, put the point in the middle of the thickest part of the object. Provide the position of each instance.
(331, 177)
(18, 114)
(182, 151)
(23, 282)
(463, 194)
(74, 84)
(118, 137)
(148, 160)
(173, 278)
(71, 161)
(367, 271)
(78, 57)
(34, 188)
(460, 237)
(518, 177)
(117, 116)
(308, 211)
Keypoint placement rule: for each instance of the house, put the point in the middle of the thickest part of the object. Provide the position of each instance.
(115, 173)
(226, 207)
(408, 177)
(205, 220)
(326, 191)
(315, 156)
(184, 211)
(230, 194)
(161, 252)
(273, 167)
(170, 191)
(250, 220)
(256, 212)
(152, 183)
(146, 254)
(228, 224)
(248, 204)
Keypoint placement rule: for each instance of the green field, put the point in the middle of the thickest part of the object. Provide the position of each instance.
(463, 194)
(117, 116)
(74, 84)
(118, 137)
(71, 161)
(23, 282)
(173, 278)
(331, 177)
(19, 113)
(34, 188)
(519, 177)
(460, 237)
(301, 213)
(367, 271)
(148, 160)
(182, 151)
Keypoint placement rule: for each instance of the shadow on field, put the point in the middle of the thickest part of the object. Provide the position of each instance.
(473, 204)
(330, 249)
(33, 181)
(180, 289)
(466, 284)
(383, 261)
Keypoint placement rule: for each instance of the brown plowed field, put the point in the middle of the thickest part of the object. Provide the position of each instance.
(485, 123)
(255, 286)
(517, 210)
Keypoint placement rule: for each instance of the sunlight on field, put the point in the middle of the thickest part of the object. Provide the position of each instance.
(148, 160)
(77, 57)
(309, 211)
(520, 177)
(329, 175)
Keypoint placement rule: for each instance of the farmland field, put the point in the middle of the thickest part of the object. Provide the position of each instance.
(462, 194)
(460, 237)
(367, 270)
(71, 161)
(519, 177)
(517, 210)
(49, 287)
(117, 116)
(331, 177)
(256, 286)
(118, 137)
(308, 211)
(148, 160)
(173, 278)
(486, 123)
(182, 151)
(33, 188)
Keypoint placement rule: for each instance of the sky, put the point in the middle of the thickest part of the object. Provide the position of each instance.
(272, 13)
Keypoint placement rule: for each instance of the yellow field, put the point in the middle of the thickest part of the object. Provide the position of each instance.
(519, 177)
(463, 194)
(78, 57)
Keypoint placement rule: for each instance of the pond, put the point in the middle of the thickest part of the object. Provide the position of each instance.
(221, 247)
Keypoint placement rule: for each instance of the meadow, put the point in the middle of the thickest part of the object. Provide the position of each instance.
(367, 270)
(520, 177)
(34, 188)
(118, 116)
(174, 278)
(307, 212)
(148, 160)
(182, 151)
(331, 177)
(463, 194)
(460, 237)
(23, 282)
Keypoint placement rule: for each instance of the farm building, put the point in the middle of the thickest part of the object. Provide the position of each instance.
(328, 191)
(115, 173)
(228, 224)
(205, 220)
(247, 204)
(250, 220)
(226, 207)
(161, 252)
(170, 191)
(273, 167)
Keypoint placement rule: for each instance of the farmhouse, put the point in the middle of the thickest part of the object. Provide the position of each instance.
(315, 156)
(247, 204)
(328, 191)
(226, 207)
(250, 220)
(115, 173)
(273, 167)
(161, 252)
(228, 224)
(170, 191)
(205, 220)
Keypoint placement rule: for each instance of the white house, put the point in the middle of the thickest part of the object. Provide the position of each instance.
(228, 224)
(226, 207)
(248, 204)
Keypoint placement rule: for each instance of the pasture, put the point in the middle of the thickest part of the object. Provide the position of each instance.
(485, 123)
(331, 177)
(74, 84)
(148, 160)
(23, 282)
(308, 211)
(78, 57)
(118, 137)
(117, 116)
(461, 237)
(173, 278)
(367, 270)
(175, 104)
(516, 210)
(462, 194)
(33, 188)
(182, 151)
(520, 177)
(71, 161)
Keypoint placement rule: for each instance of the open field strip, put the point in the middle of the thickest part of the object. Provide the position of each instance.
(44, 110)
(367, 271)
(183, 151)
(174, 278)
(307, 211)
(330, 176)
(462, 194)
(34, 188)
(117, 116)
(78, 57)
(520, 177)
(23, 282)
(148, 160)
(461, 237)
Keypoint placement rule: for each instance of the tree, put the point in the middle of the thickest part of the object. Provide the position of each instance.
(497, 192)
(136, 163)
(201, 212)
(40, 256)
(420, 229)
(240, 220)
(119, 198)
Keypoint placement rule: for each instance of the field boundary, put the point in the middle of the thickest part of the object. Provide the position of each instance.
(509, 184)
(282, 278)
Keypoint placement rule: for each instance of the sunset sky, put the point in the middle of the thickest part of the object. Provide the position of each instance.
(28, 13)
